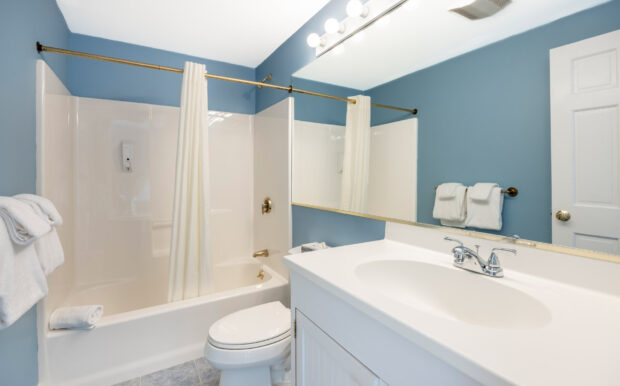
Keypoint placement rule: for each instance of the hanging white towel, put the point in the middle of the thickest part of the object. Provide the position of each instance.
(48, 247)
(46, 207)
(450, 204)
(76, 318)
(22, 281)
(484, 206)
(22, 223)
(356, 162)
(191, 266)
(49, 252)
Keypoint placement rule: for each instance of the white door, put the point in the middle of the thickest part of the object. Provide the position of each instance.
(585, 144)
(320, 361)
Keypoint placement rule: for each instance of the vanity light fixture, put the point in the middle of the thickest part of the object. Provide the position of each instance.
(360, 16)
(314, 40)
(332, 26)
(355, 8)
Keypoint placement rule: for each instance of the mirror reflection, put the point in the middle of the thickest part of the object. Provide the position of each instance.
(341, 161)
(514, 133)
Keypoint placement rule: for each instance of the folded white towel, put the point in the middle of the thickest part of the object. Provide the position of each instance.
(447, 190)
(22, 223)
(48, 247)
(49, 252)
(482, 191)
(22, 282)
(485, 214)
(46, 207)
(79, 317)
(450, 202)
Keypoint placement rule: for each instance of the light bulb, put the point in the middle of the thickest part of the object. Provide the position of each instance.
(333, 25)
(355, 8)
(313, 40)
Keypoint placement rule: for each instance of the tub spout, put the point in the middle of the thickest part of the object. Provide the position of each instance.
(261, 253)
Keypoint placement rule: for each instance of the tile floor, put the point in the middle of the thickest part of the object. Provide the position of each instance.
(193, 373)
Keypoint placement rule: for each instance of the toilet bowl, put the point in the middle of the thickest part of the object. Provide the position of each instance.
(246, 344)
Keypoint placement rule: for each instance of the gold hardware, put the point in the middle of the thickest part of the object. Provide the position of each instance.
(295, 329)
(289, 89)
(261, 253)
(266, 206)
(265, 80)
(481, 235)
(261, 274)
(562, 215)
(512, 191)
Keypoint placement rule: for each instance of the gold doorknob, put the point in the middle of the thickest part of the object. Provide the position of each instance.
(562, 215)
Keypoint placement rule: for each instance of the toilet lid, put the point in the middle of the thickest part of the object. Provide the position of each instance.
(252, 327)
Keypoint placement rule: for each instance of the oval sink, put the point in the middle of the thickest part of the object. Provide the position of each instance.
(454, 294)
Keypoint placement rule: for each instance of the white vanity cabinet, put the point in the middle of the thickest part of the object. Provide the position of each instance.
(335, 344)
(320, 360)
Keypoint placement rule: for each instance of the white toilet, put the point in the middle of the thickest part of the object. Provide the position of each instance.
(246, 344)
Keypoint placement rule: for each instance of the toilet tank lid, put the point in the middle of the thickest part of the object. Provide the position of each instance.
(252, 325)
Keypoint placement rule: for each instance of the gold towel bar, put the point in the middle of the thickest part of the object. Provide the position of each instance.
(511, 191)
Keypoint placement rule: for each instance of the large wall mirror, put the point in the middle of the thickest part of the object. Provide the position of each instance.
(527, 98)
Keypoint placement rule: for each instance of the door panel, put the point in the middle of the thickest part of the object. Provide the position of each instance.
(585, 143)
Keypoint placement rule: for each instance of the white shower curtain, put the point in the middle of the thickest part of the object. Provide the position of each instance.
(191, 268)
(355, 166)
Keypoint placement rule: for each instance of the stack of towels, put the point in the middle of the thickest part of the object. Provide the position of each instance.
(478, 206)
(29, 251)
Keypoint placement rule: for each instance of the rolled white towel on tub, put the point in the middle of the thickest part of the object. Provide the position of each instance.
(79, 317)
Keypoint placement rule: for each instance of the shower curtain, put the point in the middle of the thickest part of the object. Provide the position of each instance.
(355, 166)
(191, 268)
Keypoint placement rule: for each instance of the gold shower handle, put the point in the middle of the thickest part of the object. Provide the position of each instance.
(266, 206)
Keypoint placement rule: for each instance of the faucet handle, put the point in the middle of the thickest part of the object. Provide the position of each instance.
(493, 262)
(454, 240)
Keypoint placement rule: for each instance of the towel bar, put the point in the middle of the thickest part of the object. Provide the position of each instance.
(511, 191)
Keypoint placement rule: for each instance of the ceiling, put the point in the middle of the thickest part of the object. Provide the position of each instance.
(422, 33)
(242, 32)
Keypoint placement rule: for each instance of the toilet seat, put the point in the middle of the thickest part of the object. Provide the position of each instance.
(251, 328)
(226, 359)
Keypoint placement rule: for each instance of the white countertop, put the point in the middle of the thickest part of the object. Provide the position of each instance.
(579, 346)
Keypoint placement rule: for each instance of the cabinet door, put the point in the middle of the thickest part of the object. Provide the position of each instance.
(320, 361)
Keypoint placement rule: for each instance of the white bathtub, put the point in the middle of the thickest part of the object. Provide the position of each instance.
(129, 344)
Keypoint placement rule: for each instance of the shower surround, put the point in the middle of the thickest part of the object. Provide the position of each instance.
(117, 228)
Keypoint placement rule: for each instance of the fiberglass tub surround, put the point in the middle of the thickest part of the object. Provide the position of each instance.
(525, 328)
(118, 222)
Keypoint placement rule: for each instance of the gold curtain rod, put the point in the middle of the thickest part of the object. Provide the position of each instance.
(289, 89)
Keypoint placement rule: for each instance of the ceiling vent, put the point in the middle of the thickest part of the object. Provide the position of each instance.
(480, 9)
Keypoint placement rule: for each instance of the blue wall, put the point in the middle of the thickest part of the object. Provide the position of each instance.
(21, 24)
(321, 110)
(96, 79)
(484, 116)
(334, 228)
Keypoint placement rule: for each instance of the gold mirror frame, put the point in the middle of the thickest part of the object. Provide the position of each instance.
(481, 235)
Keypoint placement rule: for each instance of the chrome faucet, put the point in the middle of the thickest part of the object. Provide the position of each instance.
(467, 259)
